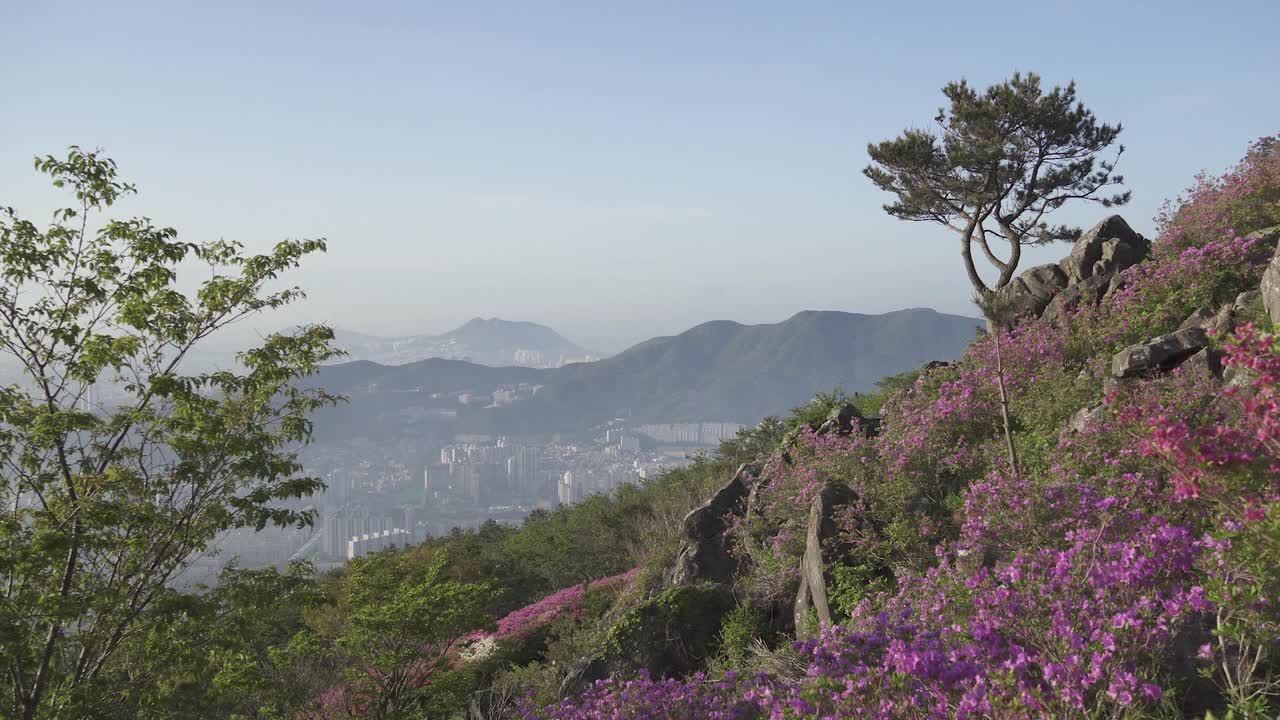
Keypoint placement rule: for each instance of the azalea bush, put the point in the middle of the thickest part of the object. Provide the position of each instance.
(1232, 468)
(646, 698)
(1054, 633)
(1244, 199)
(568, 602)
(1125, 568)
(1158, 295)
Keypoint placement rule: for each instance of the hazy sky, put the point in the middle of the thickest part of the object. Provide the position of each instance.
(615, 170)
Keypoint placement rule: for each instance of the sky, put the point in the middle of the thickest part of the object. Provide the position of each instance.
(616, 170)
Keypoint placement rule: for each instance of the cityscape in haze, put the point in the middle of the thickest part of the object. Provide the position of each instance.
(557, 360)
(419, 448)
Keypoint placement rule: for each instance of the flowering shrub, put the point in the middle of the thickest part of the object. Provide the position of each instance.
(644, 698)
(813, 460)
(1239, 459)
(1242, 200)
(1071, 585)
(944, 433)
(565, 603)
(1050, 633)
(1158, 295)
(1233, 467)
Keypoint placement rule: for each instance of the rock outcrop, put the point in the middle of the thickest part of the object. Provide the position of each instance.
(1082, 418)
(1271, 276)
(706, 552)
(1031, 292)
(1160, 353)
(1087, 275)
(1087, 292)
(846, 419)
(1107, 248)
(1209, 359)
(1245, 300)
(706, 555)
(822, 529)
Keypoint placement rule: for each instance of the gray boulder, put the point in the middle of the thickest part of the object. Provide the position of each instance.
(1222, 322)
(1087, 292)
(706, 555)
(847, 418)
(1208, 360)
(1159, 354)
(1111, 384)
(1245, 300)
(1218, 323)
(1087, 275)
(822, 529)
(1200, 318)
(1031, 292)
(1238, 377)
(669, 635)
(1271, 277)
(1116, 284)
(1105, 249)
(1083, 417)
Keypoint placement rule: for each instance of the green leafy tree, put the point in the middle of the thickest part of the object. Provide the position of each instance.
(870, 404)
(119, 464)
(401, 625)
(999, 162)
(754, 442)
(237, 650)
(813, 413)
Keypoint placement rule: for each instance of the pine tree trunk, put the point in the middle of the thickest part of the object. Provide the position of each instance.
(1004, 402)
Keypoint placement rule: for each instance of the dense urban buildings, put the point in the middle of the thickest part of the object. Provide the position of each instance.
(393, 493)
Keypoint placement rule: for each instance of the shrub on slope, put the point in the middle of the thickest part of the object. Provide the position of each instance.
(1129, 563)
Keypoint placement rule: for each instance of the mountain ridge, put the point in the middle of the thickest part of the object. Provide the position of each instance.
(485, 341)
(717, 370)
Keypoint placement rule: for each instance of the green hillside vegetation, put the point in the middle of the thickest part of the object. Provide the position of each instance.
(728, 371)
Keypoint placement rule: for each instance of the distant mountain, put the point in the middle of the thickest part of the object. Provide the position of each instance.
(433, 375)
(491, 341)
(727, 371)
(719, 370)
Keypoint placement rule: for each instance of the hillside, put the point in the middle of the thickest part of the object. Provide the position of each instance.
(1078, 518)
(716, 371)
(432, 375)
(491, 341)
(727, 371)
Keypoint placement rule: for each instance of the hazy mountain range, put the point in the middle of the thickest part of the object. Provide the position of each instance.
(719, 370)
(491, 341)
